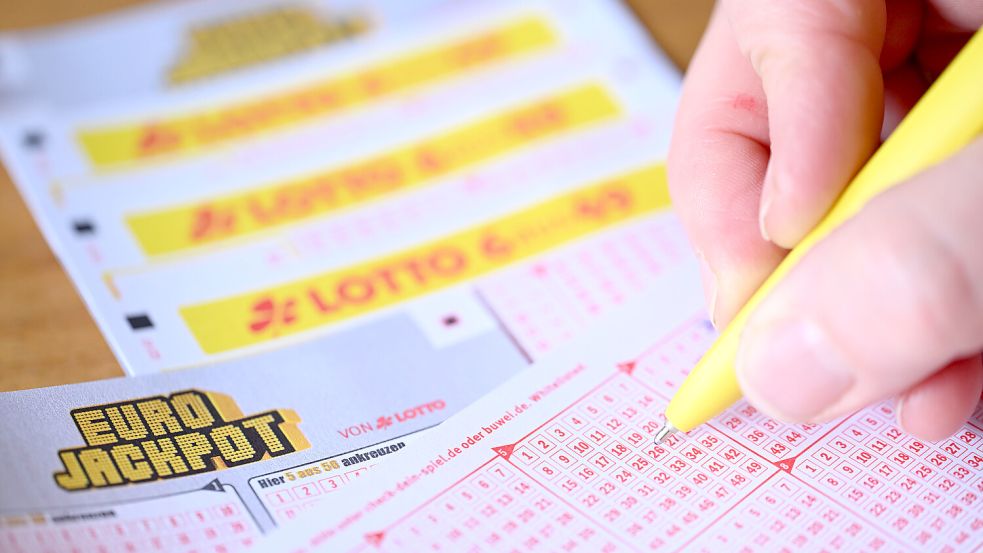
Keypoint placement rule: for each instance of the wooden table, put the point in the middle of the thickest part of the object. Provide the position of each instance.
(46, 334)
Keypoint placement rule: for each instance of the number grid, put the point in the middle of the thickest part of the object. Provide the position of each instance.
(590, 478)
(214, 525)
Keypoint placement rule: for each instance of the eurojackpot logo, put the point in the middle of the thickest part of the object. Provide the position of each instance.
(188, 432)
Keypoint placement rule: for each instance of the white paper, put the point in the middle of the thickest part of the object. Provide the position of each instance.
(140, 283)
(335, 407)
(561, 458)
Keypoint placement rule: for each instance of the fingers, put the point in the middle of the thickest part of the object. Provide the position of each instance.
(902, 88)
(953, 15)
(903, 24)
(818, 63)
(879, 305)
(936, 407)
(717, 161)
(904, 83)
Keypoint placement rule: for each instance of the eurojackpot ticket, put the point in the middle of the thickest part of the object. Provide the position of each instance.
(209, 458)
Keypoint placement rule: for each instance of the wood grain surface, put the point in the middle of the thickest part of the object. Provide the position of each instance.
(47, 336)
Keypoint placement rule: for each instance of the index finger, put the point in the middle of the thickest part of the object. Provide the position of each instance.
(717, 162)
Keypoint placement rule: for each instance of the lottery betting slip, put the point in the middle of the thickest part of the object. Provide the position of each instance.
(330, 283)
(561, 458)
(208, 459)
(449, 162)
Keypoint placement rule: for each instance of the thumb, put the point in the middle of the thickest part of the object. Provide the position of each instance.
(818, 64)
(879, 306)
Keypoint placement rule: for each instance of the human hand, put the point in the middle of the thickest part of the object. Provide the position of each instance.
(783, 103)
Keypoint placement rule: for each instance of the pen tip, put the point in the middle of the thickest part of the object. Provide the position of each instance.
(664, 432)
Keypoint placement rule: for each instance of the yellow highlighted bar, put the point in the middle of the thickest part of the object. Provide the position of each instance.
(184, 134)
(256, 317)
(243, 213)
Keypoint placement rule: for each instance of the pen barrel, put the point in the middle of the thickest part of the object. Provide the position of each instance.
(946, 119)
(711, 386)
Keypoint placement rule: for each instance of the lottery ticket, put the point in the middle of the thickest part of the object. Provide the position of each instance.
(208, 459)
(562, 458)
(156, 47)
(403, 168)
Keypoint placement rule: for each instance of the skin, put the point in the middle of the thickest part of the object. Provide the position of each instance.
(783, 102)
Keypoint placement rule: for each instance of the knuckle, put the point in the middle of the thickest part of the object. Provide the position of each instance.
(941, 299)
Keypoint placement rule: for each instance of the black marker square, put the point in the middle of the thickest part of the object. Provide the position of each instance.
(139, 322)
(84, 226)
(33, 139)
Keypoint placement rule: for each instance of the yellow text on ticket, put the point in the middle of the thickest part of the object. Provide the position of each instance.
(243, 213)
(184, 134)
(344, 293)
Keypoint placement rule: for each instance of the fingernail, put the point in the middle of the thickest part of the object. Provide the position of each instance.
(709, 288)
(767, 196)
(791, 370)
(762, 226)
(898, 413)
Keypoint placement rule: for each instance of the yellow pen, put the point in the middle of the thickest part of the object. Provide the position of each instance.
(946, 119)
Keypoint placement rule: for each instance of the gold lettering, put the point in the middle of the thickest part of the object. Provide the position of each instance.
(126, 422)
(194, 446)
(100, 468)
(164, 457)
(158, 416)
(94, 428)
(232, 444)
(125, 455)
(74, 477)
(262, 426)
(193, 410)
